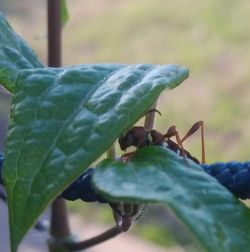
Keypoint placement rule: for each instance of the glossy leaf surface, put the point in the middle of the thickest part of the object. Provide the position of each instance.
(63, 119)
(15, 55)
(218, 219)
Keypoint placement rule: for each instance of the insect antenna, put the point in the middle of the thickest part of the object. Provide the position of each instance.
(198, 125)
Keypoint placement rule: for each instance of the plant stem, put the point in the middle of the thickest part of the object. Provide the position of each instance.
(73, 246)
(59, 218)
(149, 119)
(111, 153)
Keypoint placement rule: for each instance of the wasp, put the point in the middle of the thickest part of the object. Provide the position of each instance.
(139, 137)
(233, 175)
(125, 213)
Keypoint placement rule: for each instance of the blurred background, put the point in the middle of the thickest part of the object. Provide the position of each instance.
(211, 38)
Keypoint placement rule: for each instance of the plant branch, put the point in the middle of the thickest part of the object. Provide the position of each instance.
(74, 246)
(149, 119)
(111, 153)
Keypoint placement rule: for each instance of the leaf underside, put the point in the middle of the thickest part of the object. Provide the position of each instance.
(218, 220)
(64, 119)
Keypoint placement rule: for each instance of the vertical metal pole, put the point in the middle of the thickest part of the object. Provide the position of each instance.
(59, 218)
(54, 33)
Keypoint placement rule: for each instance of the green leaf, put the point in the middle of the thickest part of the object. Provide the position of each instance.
(64, 119)
(64, 12)
(218, 220)
(15, 55)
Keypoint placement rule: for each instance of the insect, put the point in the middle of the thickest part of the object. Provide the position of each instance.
(126, 214)
(138, 137)
(235, 176)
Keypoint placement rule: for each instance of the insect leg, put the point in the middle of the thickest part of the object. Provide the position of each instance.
(173, 132)
(198, 125)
